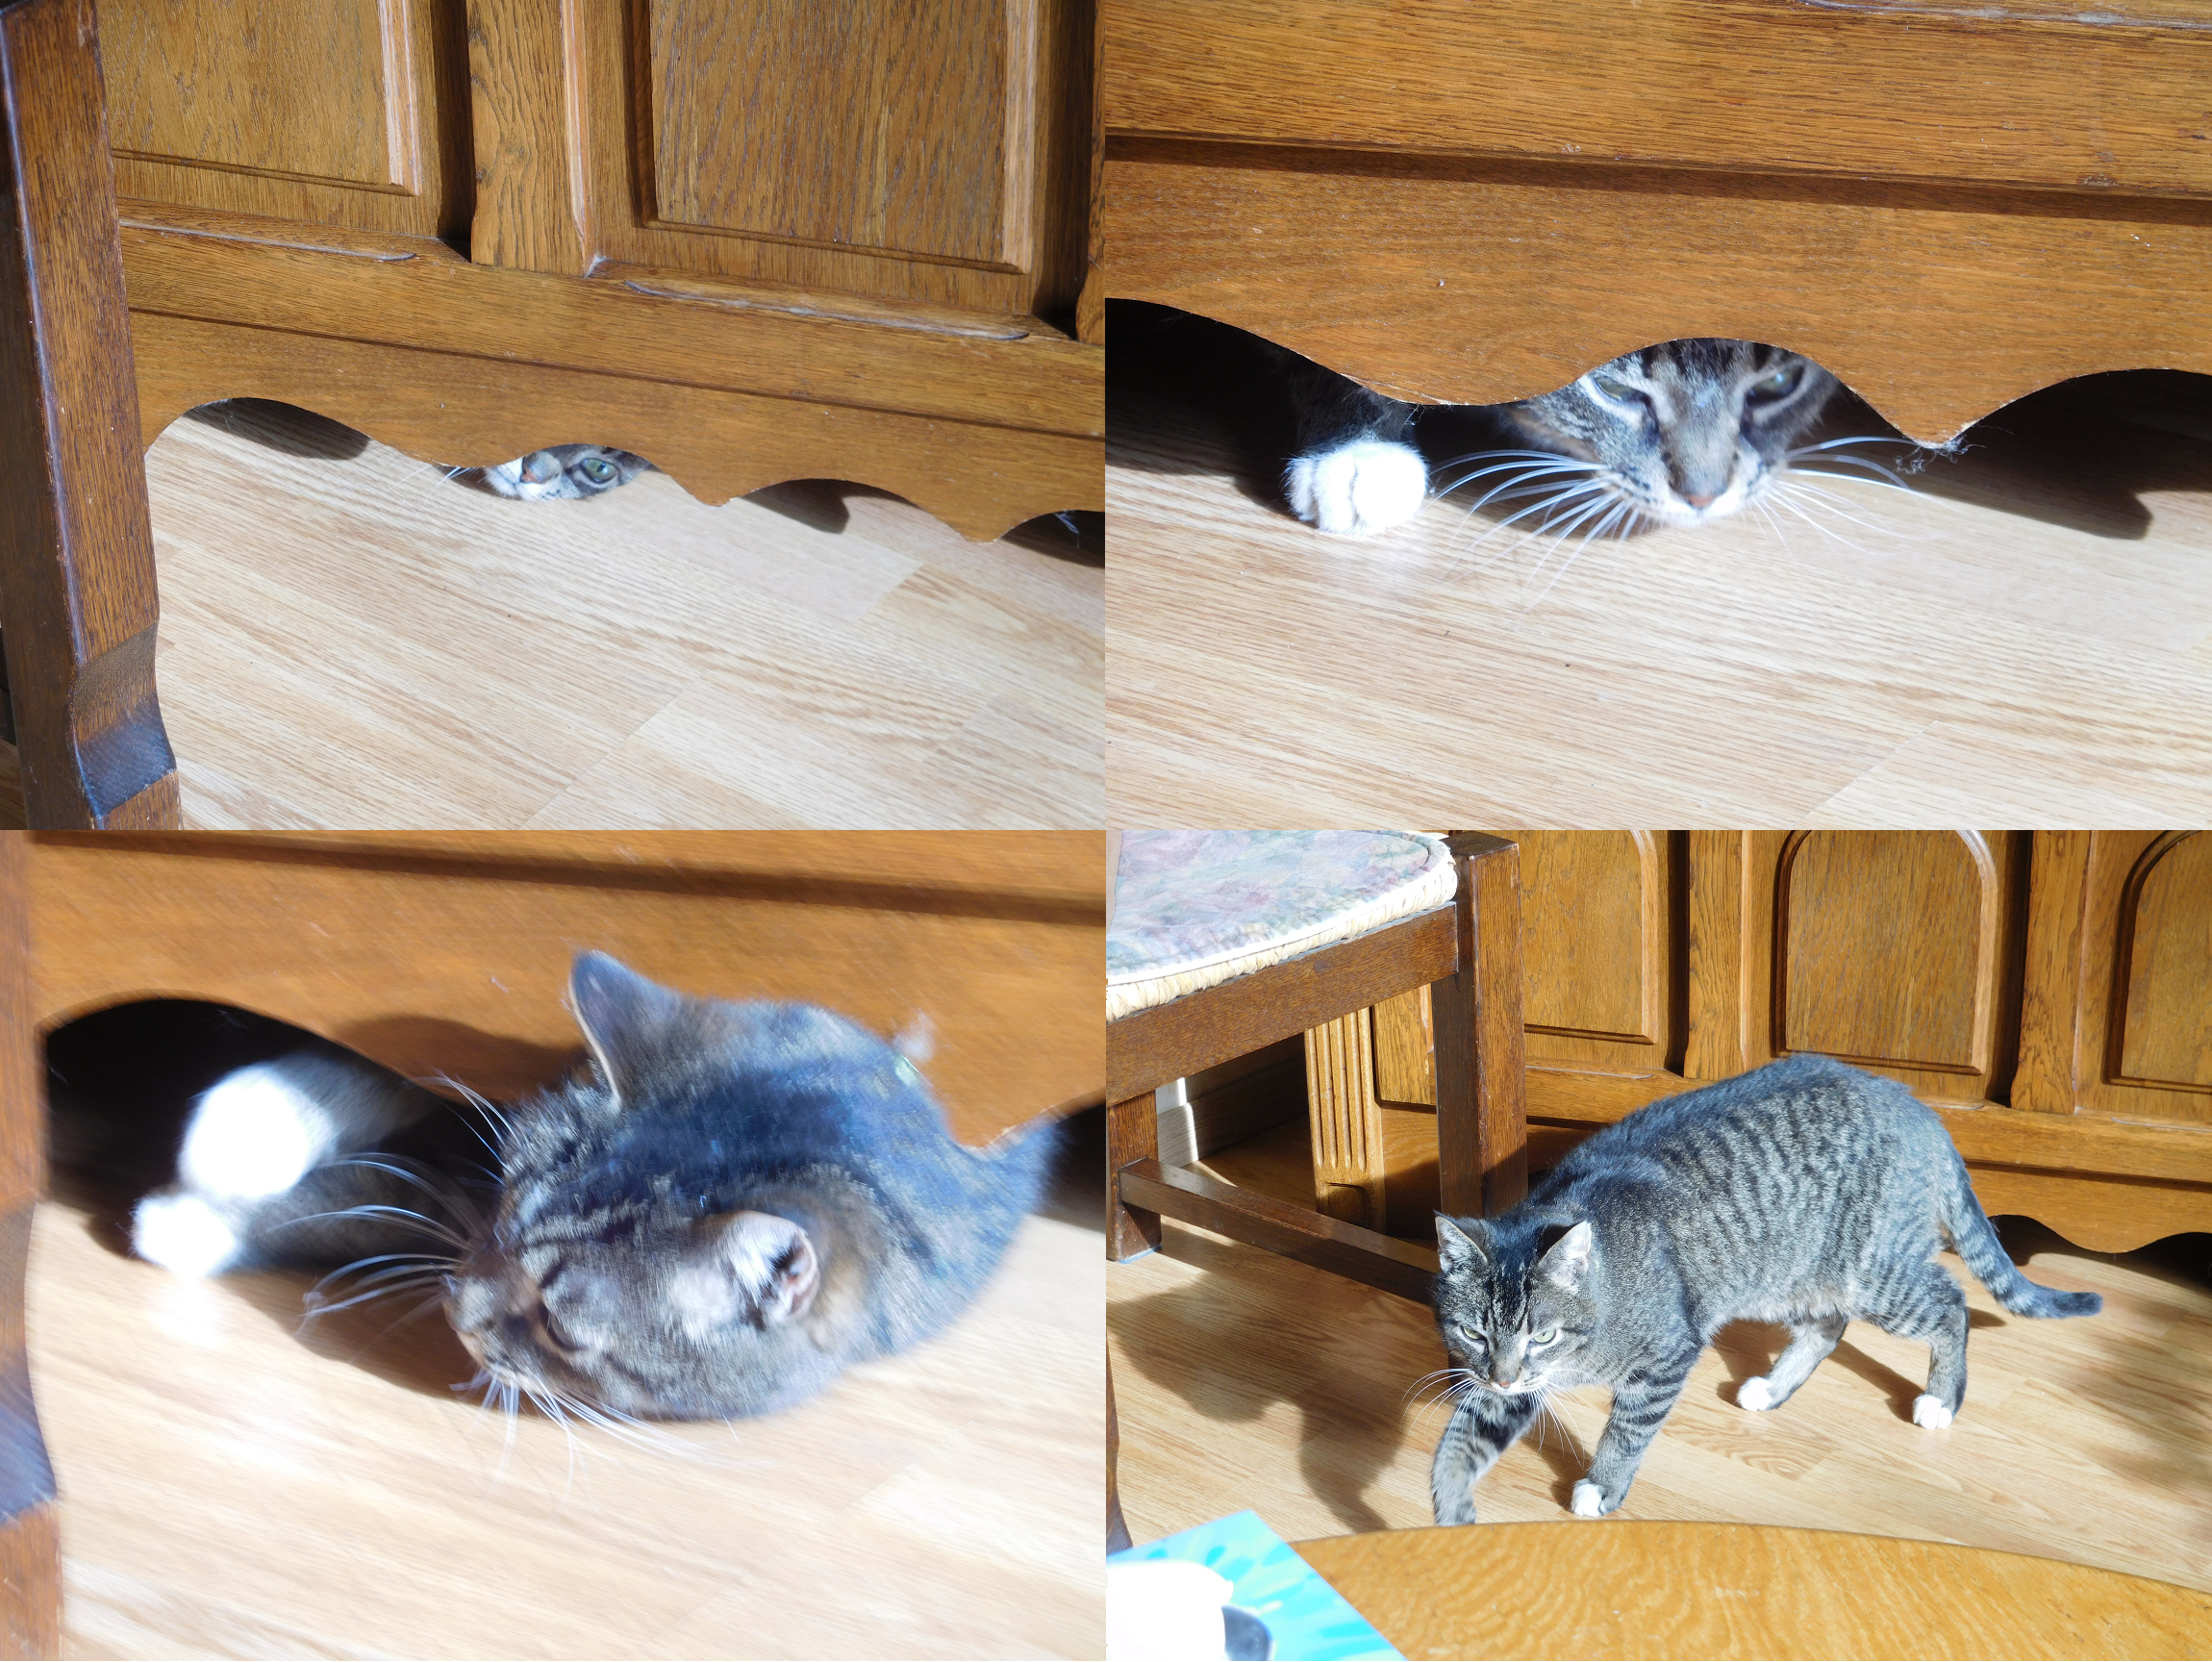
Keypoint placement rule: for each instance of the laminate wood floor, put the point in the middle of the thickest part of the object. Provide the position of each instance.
(233, 1488)
(350, 640)
(1245, 1379)
(2027, 635)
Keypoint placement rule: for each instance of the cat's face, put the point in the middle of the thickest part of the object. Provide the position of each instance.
(1512, 1314)
(565, 471)
(1685, 432)
(617, 1268)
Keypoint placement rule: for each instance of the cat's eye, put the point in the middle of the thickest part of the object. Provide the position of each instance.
(1780, 384)
(1469, 1335)
(597, 468)
(1543, 1338)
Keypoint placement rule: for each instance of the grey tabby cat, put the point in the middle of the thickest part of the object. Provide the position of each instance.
(1806, 1192)
(565, 472)
(746, 1200)
(1680, 434)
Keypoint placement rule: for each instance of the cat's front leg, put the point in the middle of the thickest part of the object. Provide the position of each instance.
(1641, 1404)
(1481, 1428)
(1355, 473)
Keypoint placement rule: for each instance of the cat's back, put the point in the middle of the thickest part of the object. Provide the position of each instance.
(1805, 1116)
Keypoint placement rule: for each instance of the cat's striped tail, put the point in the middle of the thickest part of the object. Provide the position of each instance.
(1975, 1238)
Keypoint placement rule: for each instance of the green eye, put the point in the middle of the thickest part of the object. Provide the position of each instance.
(597, 470)
(1779, 385)
(1543, 1338)
(1469, 1334)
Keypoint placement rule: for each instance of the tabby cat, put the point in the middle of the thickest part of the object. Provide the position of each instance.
(565, 472)
(1806, 1192)
(1678, 434)
(745, 1199)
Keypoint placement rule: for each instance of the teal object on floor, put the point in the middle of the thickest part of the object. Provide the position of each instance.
(1309, 1619)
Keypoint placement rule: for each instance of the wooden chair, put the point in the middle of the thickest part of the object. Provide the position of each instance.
(77, 610)
(1466, 951)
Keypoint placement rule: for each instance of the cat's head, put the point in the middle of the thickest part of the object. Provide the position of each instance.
(565, 471)
(628, 1263)
(1513, 1305)
(1684, 432)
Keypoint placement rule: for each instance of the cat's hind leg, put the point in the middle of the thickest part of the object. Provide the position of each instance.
(1928, 1306)
(1810, 1343)
(1482, 1428)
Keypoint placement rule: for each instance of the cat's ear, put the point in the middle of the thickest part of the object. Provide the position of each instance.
(1569, 1258)
(753, 1267)
(1462, 1245)
(627, 1020)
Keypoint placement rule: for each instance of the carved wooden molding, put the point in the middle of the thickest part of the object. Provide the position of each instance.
(1476, 280)
(1348, 1167)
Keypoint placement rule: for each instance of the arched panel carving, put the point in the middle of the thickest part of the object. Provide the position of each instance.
(1886, 947)
(2162, 997)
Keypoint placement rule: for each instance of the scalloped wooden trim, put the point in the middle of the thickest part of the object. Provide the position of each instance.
(1468, 279)
(472, 412)
(2101, 1214)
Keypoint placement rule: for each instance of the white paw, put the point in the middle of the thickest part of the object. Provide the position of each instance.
(1358, 489)
(1928, 1412)
(1756, 1395)
(1589, 1500)
(252, 1135)
(183, 1234)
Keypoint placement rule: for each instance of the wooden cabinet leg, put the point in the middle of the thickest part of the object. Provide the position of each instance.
(30, 1557)
(1481, 1073)
(1346, 1121)
(77, 610)
(1132, 1133)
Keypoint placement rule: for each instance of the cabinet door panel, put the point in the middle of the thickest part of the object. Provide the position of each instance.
(898, 129)
(2166, 1004)
(1886, 948)
(334, 112)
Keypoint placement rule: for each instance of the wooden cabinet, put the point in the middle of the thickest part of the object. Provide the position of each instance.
(838, 240)
(1948, 206)
(2049, 993)
(752, 244)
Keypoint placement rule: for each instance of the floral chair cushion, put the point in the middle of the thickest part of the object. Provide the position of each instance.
(1193, 909)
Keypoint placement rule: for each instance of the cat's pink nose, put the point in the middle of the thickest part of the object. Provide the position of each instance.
(1699, 498)
(541, 466)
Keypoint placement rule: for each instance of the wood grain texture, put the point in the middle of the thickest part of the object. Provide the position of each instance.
(1404, 1043)
(1281, 1227)
(1245, 1379)
(1708, 1590)
(1474, 281)
(2164, 1020)
(327, 113)
(77, 604)
(1132, 1138)
(456, 962)
(1344, 1120)
(29, 1558)
(1481, 1110)
(528, 136)
(2025, 637)
(896, 129)
(1148, 1048)
(2028, 96)
(349, 639)
(664, 146)
(224, 1471)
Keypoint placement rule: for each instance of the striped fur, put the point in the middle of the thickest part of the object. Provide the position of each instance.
(1806, 1193)
(1680, 433)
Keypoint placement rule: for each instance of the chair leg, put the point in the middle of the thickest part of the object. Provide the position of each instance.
(77, 610)
(1481, 1074)
(1132, 1133)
